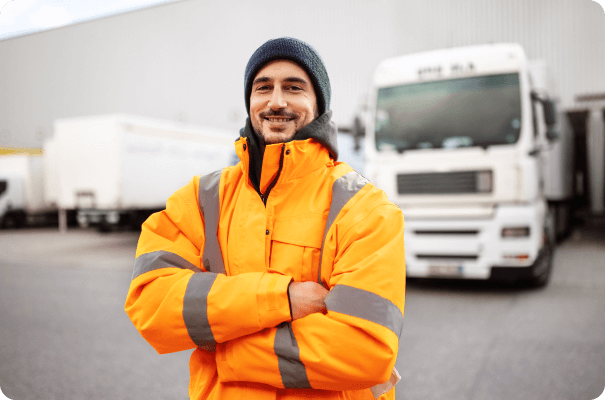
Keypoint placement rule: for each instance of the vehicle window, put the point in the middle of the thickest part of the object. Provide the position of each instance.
(476, 111)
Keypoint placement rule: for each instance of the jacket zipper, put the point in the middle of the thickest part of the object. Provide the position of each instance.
(265, 195)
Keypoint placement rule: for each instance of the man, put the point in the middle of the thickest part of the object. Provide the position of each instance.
(285, 272)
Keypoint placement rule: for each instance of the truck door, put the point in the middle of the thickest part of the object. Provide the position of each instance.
(540, 143)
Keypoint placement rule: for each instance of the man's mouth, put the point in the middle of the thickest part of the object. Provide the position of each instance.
(279, 117)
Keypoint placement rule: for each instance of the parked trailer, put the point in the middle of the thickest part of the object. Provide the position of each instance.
(464, 141)
(22, 198)
(118, 169)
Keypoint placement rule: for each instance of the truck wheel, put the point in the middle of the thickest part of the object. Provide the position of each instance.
(561, 212)
(542, 267)
(105, 227)
(11, 221)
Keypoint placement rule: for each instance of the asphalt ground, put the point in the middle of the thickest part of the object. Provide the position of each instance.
(64, 334)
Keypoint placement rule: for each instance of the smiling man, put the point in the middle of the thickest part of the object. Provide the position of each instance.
(285, 272)
(282, 101)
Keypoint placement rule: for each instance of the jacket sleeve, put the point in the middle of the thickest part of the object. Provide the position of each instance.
(353, 346)
(176, 304)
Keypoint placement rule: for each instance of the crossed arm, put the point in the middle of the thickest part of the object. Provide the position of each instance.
(177, 306)
(306, 298)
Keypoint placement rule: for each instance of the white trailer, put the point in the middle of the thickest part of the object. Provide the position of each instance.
(117, 169)
(464, 140)
(22, 198)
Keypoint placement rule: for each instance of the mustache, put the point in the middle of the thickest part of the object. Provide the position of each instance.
(278, 113)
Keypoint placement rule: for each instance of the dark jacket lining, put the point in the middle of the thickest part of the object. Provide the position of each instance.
(321, 129)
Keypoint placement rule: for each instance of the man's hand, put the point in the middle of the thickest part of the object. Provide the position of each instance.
(306, 298)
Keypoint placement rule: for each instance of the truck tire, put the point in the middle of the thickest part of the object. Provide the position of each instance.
(106, 227)
(541, 269)
(12, 220)
(561, 211)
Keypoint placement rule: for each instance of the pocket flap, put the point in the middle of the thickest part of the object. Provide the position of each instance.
(307, 231)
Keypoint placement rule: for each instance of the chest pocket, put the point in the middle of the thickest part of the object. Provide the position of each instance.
(297, 242)
(296, 247)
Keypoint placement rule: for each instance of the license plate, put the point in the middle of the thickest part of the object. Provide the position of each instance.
(445, 271)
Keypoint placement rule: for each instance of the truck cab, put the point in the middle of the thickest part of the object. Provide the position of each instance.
(459, 140)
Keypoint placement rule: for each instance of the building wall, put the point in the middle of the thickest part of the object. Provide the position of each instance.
(568, 34)
(180, 61)
(185, 60)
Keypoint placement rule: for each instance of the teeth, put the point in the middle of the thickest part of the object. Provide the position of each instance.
(277, 119)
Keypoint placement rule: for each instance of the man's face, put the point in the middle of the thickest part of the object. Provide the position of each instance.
(282, 101)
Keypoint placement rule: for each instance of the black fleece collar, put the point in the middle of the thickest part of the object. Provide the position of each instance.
(321, 129)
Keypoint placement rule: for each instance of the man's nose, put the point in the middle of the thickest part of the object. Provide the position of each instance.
(277, 99)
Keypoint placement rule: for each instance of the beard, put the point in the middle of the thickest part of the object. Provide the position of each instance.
(264, 140)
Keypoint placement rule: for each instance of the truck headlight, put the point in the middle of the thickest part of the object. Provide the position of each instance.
(522, 231)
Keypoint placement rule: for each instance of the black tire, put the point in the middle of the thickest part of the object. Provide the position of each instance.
(561, 212)
(12, 221)
(106, 227)
(541, 270)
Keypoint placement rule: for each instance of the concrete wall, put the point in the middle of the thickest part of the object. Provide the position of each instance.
(180, 61)
(185, 60)
(568, 34)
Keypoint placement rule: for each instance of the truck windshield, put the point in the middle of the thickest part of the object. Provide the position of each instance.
(478, 111)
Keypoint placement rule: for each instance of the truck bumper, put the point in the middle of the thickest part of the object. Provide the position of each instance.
(474, 248)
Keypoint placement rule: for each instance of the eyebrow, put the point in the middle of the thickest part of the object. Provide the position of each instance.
(295, 79)
(261, 79)
(292, 79)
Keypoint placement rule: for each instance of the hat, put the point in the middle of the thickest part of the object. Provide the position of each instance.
(287, 48)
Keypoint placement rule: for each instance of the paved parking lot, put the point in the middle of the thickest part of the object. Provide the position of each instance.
(64, 334)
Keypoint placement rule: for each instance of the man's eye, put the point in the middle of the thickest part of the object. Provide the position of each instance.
(261, 88)
(295, 88)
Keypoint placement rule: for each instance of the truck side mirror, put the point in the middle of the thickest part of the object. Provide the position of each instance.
(359, 131)
(550, 118)
(550, 112)
(552, 134)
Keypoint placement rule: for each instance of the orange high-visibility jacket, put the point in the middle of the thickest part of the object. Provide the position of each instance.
(212, 270)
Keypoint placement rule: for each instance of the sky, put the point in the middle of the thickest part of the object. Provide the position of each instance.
(20, 17)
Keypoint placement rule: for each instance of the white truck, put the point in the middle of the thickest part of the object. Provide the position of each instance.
(22, 199)
(118, 169)
(467, 142)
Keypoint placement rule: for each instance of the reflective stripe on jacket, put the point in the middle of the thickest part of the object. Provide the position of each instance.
(227, 290)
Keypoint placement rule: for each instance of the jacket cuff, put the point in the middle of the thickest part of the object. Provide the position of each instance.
(273, 302)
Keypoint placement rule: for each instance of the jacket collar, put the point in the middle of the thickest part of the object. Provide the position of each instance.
(312, 147)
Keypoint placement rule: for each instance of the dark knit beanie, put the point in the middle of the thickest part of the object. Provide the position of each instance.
(286, 48)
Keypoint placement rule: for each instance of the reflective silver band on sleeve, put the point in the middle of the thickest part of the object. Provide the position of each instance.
(365, 305)
(212, 258)
(292, 370)
(160, 259)
(343, 190)
(195, 308)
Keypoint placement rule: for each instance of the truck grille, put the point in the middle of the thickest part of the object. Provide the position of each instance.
(445, 182)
